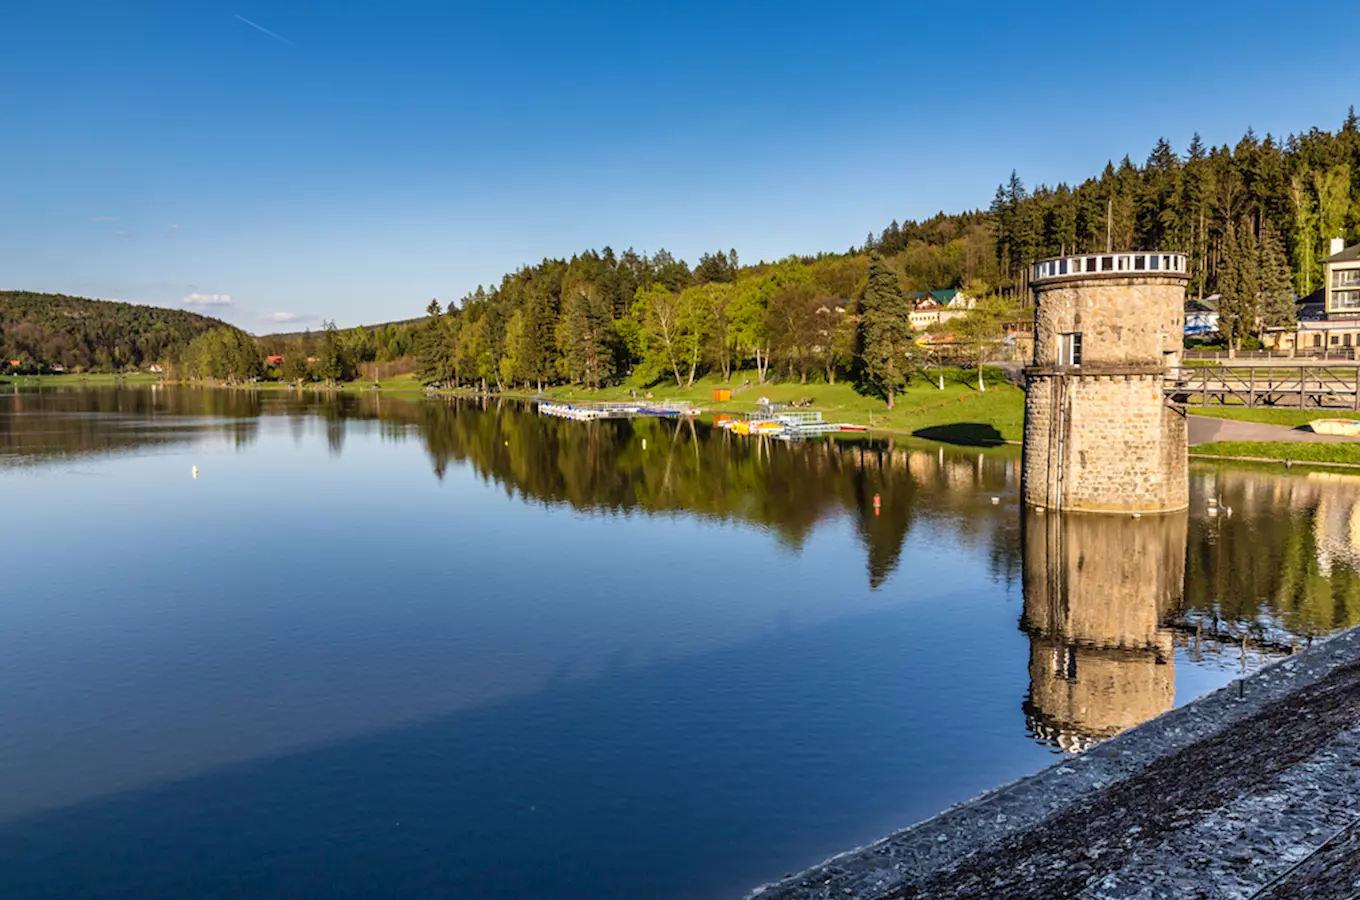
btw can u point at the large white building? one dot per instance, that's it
(1329, 318)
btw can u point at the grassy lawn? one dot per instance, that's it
(959, 413)
(89, 379)
(1300, 452)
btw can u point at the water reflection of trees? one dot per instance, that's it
(1260, 564)
(643, 466)
(1280, 553)
(1283, 565)
(667, 466)
(38, 426)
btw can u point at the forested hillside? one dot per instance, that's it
(1255, 218)
(53, 330)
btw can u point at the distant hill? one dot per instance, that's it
(379, 326)
(51, 330)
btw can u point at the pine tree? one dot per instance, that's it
(885, 333)
(431, 364)
(1239, 305)
(1277, 294)
(584, 336)
(1157, 215)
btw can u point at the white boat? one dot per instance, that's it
(1343, 427)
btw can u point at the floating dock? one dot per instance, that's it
(588, 412)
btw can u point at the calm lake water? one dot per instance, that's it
(386, 647)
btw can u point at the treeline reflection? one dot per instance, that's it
(647, 466)
(1261, 563)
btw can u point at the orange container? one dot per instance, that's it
(721, 394)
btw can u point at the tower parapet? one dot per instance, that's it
(1098, 435)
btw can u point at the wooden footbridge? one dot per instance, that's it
(1280, 383)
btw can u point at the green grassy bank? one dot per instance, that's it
(1347, 454)
(92, 379)
(959, 413)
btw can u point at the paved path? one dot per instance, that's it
(1207, 430)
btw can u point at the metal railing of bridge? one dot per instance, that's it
(1300, 386)
(1305, 353)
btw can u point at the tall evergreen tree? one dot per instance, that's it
(885, 333)
(585, 336)
(1239, 305)
(1277, 294)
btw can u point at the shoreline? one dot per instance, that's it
(940, 427)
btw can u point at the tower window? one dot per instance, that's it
(1069, 349)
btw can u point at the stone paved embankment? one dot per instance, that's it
(1250, 792)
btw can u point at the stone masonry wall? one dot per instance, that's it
(1099, 436)
(1117, 446)
(1123, 321)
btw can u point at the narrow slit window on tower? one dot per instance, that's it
(1069, 348)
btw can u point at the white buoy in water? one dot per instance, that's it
(995, 501)
(195, 471)
(644, 443)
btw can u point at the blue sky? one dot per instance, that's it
(365, 157)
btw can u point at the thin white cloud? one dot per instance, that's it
(175, 228)
(121, 233)
(285, 317)
(277, 37)
(197, 299)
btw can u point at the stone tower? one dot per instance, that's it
(1099, 436)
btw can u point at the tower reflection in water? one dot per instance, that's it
(1098, 592)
